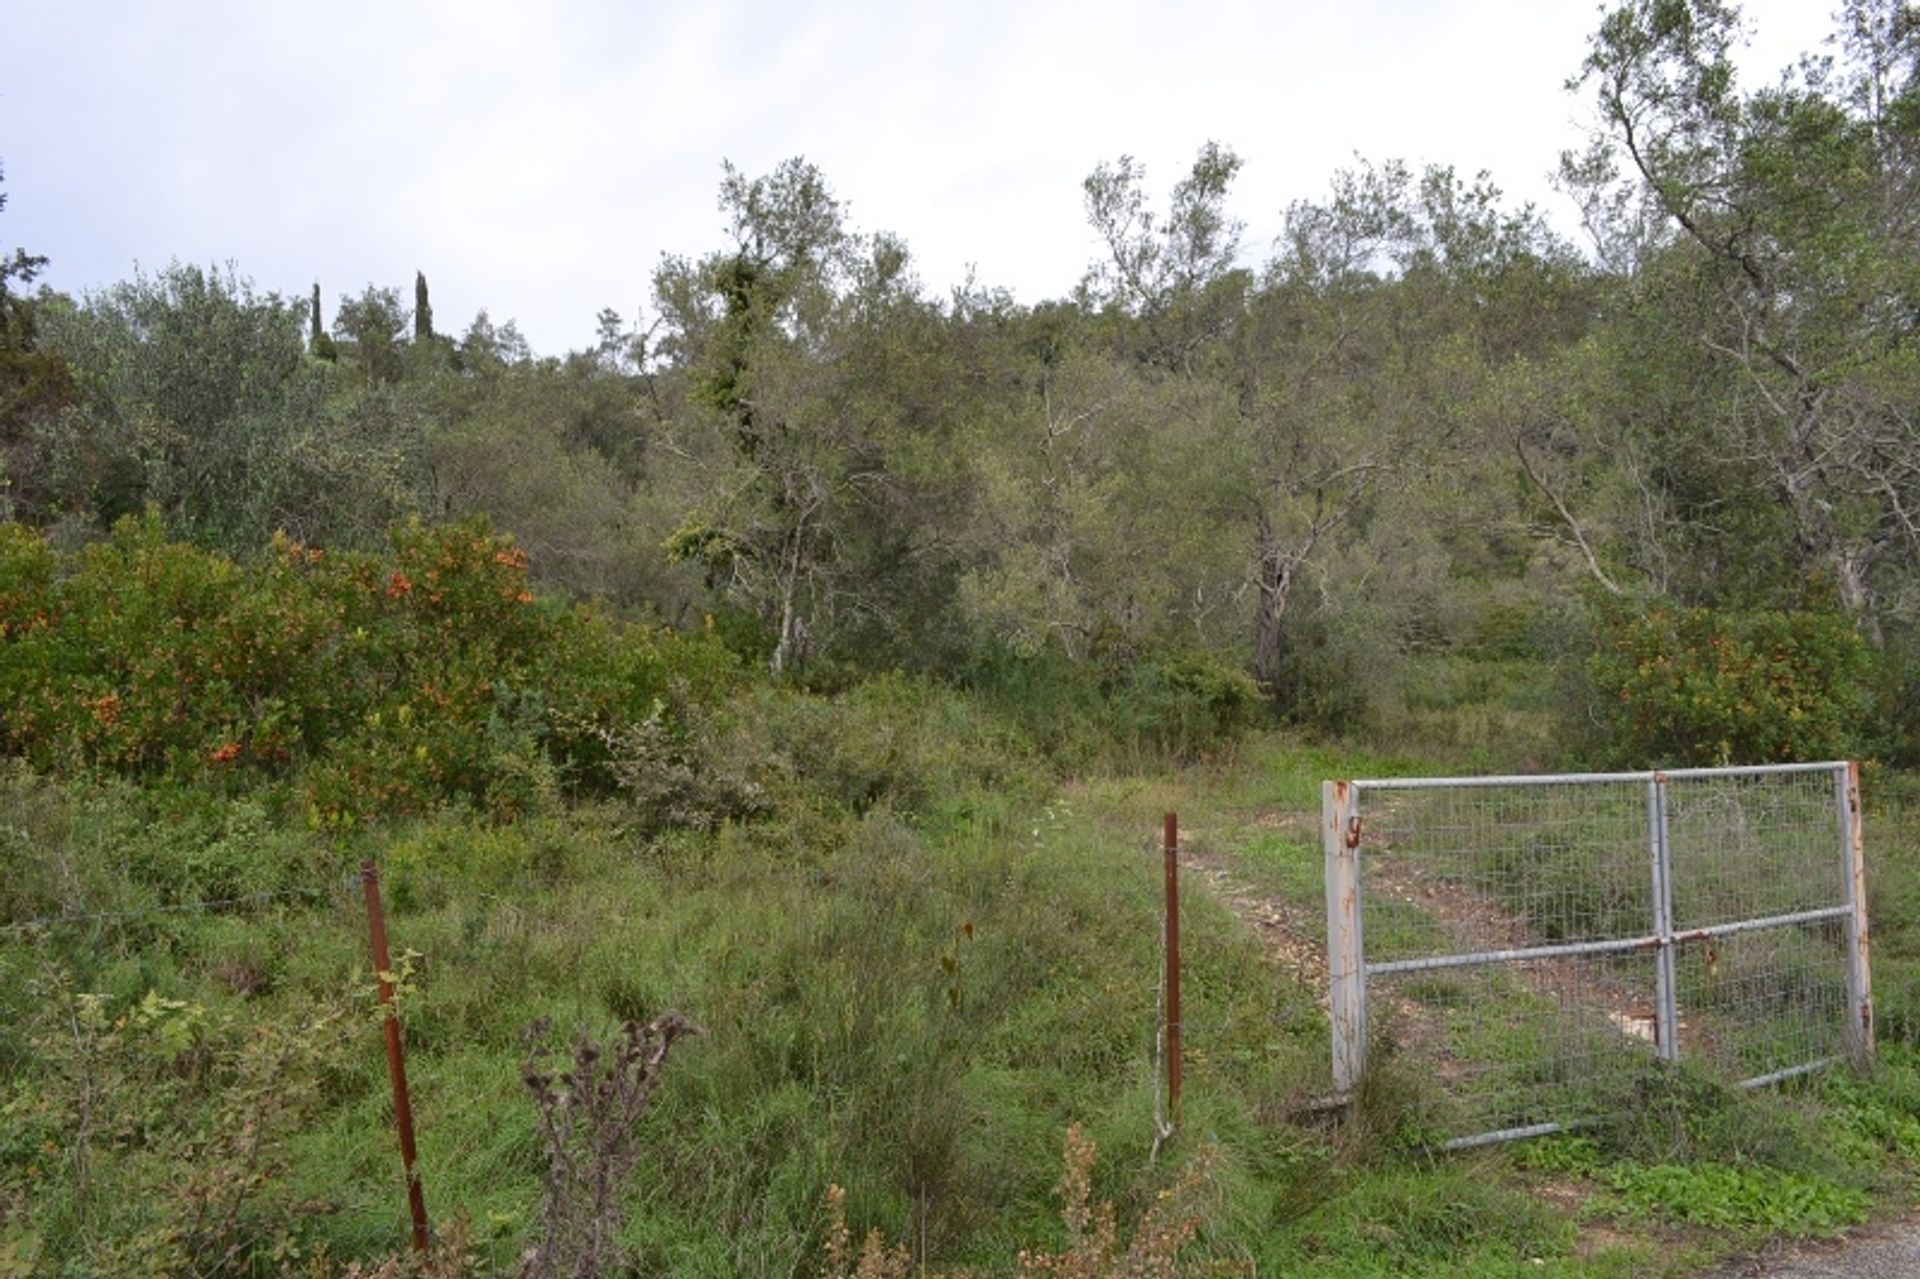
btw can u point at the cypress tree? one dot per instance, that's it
(318, 342)
(422, 309)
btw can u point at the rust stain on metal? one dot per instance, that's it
(396, 1059)
(1170, 838)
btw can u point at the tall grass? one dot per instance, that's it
(918, 962)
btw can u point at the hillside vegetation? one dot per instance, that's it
(815, 657)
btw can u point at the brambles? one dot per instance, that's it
(153, 1134)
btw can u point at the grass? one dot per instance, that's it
(914, 978)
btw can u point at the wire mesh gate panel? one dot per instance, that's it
(1535, 942)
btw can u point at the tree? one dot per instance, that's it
(1362, 369)
(1100, 527)
(422, 310)
(1177, 277)
(319, 345)
(753, 324)
(34, 384)
(1785, 224)
(185, 377)
(368, 330)
(17, 270)
(487, 348)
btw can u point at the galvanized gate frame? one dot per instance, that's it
(1348, 969)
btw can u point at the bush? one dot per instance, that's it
(1897, 695)
(1175, 701)
(1333, 671)
(1183, 703)
(383, 684)
(1687, 686)
(895, 742)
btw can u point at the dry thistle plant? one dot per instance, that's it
(1093, 1234)
(589, 1127)
(1093, 1249)
(876, 1260)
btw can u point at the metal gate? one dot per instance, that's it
(1535, 942)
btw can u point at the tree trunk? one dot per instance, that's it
(1274, 578)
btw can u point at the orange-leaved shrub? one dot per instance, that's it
(373, 684)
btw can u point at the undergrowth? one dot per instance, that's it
(919, 953)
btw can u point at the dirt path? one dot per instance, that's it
(1887, 1251)
(1290, 934)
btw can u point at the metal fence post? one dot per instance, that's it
(1346, 971)
(1170, 845)
(1666, 1004)
(1846, 784)
(396, 1059)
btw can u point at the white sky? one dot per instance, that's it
(536, 159)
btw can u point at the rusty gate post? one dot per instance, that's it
(396, 1059)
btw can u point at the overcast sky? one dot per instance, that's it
(537, 159)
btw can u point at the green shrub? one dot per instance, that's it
(1897, 697)
(1685, 686)
(895, 742)
(1184, 702)
(1332, 671)
(380, 685)
(1176, 702)
(153, 1136)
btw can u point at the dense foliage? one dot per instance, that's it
(1424, 407)
(826, 599)
(380, 685)
(1696, 687)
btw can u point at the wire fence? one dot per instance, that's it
(203, 906)
(1536, 942)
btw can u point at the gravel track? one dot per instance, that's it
(1887, 1251)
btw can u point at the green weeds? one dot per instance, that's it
(918, 959)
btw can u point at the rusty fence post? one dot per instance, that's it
(1170, 843)
(396, 1059)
